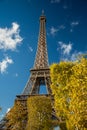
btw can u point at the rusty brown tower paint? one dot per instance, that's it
(40, 74)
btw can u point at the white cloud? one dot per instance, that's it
(65, 48)
(76, 55)
(9, 37)
(66, 54)
(61, 27)
(54, 30)
(4, 64)
(30, 49)
(55, 1)
(8, 110)
(75, 23)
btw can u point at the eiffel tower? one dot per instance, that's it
(40, 74)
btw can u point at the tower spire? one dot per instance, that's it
(41, 60)
(40, 74)
(39, 77)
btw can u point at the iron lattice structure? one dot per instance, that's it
(40, 74)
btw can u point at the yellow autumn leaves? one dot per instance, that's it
(69, 86)
(39, 113)
(34, 114)
(17, 117)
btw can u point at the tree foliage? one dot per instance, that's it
(39, 113)
(17, 117)
(34, 114)
(69, 86)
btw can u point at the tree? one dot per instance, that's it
(39, 113)
(69, 86)
(34, 114)
(17, 117)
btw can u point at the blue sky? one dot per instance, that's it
(66, 29)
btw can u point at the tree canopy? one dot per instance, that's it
(33, 114)
(69, 86)
(17, 117)
(39, 113)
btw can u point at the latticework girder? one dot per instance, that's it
(41, 66)
(38, 77)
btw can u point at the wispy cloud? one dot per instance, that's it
(61, 27)
(30, 49)
(75, 55)
(65, 48)
(73, 24)
(8, 110)
(9, 37)
(66, 52)
(55, 1)
(54, 30)
(4, 64)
